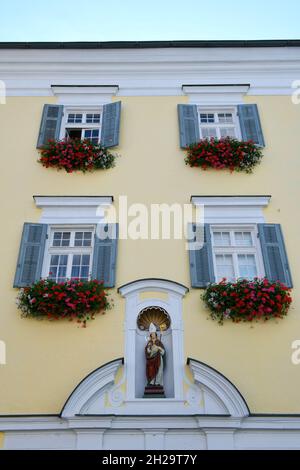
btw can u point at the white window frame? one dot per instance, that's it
(84, 110)
(234, 250)
(67, 250)
(216, 110)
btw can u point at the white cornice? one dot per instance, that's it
(215, 94)
(215, 201)
(150, 71)
(232, 209)
(146, 285)
(84, 94)
(55, 201)
(72, 209)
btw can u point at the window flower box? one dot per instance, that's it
(227, 152)
(76, 155)
(73, 299)
(246, 300)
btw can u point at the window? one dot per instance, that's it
(82, 124)
(218, 123)
(236, 253)
(69, 253)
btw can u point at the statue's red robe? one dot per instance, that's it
(152, 363)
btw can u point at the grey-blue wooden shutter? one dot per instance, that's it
(188, 124)
(50, 124)
(111, 124)
(201, 260)
(31, 254)
(274, 253)
(250, 124)
(105, 254)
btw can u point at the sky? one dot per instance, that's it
(138, 20)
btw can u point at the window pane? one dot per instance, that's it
(225, 118)
(76, 259)
(227, 132)
(208, 132)
(58, 267)
(207, 117)
(93, 118)
(78, 238)
(75, 271)
(243, 238)
(87, 239)
(74, 117)
(225, 268)
(247, 266)
(61, 238)
(92, 135)
(222, 238)
(80, 266)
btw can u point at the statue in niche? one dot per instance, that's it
(155, 352)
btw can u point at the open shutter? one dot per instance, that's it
(201, 260)
(250, 124)
(188, 124)
(105, 254)
(50, 124)
(31, 254)
(111, 124)
(274, 253)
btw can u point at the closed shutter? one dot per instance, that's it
(201, 260)
(31, 254)
(50, 124)
(188, 124)
(105, 254)
(274, 254)
(111, 124)
(250, 124)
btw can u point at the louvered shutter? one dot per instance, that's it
(250, 124)
(31, 254)
(188, 124)
(50, 124)
(201, 260)
(274, 253)
(105, 254)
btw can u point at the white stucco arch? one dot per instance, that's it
(210, 393)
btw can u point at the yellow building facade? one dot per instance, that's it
(230, 386)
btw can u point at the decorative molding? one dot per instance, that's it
(32, 72)
(72, 209)
(90, 388)
(81, 95)
(219, 95)
(220, 388)
(232, 209)
(148, 285)
(138, 432)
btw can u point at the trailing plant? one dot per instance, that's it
(76, 155)
(73, 299)
(246, 300)
(223, 153)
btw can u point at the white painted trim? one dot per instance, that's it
(72, 209)
(151, 432)
(269, 71)
(89, 387)
(232, 210)
(218, 89)
(173, 306)
(215, 95)
(80, 95)
(221, 387)
(146, 285)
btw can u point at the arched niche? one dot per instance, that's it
(146, 295)
(159, 317)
